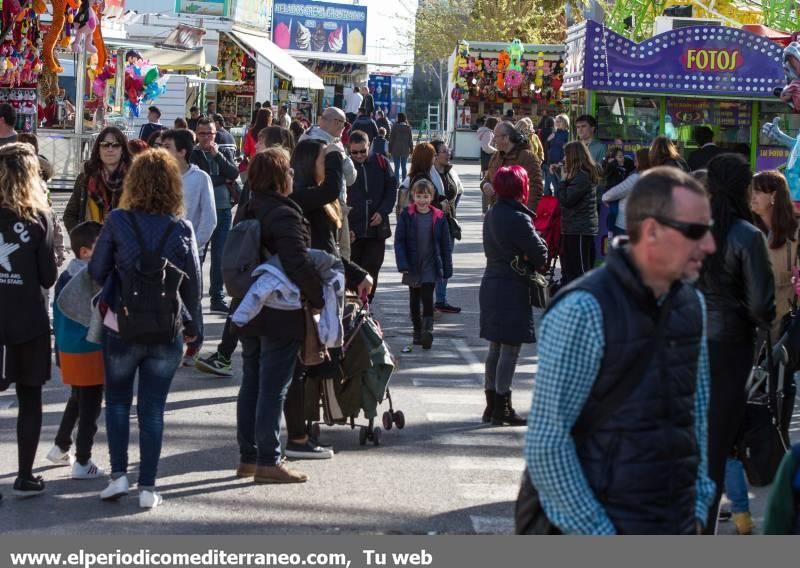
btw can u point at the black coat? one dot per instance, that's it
(741, 296)
(578, 202)
(699, 158)
(374, 191)
(367, 125)
(506, 314)
(27, 266)
(285, 232)
(312, 200)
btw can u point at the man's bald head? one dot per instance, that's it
(332, 121)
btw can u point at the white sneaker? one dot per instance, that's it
(59, 457)
(116, 488)
(88, 471)
(149, 499)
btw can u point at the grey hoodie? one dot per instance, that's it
(198, 200)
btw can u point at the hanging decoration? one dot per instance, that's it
(20, 45)
(143, 83)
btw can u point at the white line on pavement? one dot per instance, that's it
(492, 525)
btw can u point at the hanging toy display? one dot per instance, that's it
(503, 61)
(143, 83)
(539, 79)
(513, 77)
(60, 8)
(557, 78)
(86, 22)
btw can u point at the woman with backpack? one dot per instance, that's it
(271, 341)
(317, 183)
(27, 266)
(144, 336)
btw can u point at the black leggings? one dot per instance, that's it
(29, 427)
(83, 408)
(422, 294)
(577, 256)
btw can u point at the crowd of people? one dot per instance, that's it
(640, 390)
(145, 213)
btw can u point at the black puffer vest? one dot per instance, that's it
(641, 463)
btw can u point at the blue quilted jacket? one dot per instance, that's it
(116, 252)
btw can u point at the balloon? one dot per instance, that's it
(151, 75)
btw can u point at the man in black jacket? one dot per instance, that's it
(366, 125)
(706, 149)
(368, 104)
(371, 198)
(219, 163)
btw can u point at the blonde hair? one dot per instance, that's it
(153, 184)
(565, 119)
(20, 185)
(525, 127)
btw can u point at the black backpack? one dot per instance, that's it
(149, 299)
(241, 255)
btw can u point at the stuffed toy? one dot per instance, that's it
(87, 22)
(60, 8)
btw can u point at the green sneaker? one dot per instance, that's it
(216, 364)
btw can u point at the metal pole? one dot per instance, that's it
(80, 89)
(119, 82)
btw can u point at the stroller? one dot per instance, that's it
(355, 380)
(548, 225)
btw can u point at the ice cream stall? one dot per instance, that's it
(716, 76)
(489, 79)
(389, 92)
(330, 39)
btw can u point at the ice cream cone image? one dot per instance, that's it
(302, 37)
(335, 40)
(355, 41)
(319, 38)
(283, 35)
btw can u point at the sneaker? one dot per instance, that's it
(59, 457)
(88, 471)
(190, 357)
(245, 470)
(116, 488)
(149, 499)
(307, 451)
(278, 474)
(220, 308)
(446, 308)
(24, 488)
(215, 364)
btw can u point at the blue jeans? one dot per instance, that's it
(441, 283)
(217, 243)
(156, 365)
(267, 368)
(400, 162)
(736, 486)
(550, 181)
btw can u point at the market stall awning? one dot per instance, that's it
(261, 46)
(175, 60)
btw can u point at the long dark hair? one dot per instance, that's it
(304, 159)
(784, 223)
(94, 164)
(263, 119)
(577, 158)
(728, 185)
(663, 151)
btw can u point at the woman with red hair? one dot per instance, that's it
(506, 314)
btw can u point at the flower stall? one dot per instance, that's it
(488, 79)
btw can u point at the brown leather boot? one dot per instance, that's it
(278, 474)
(245, 470)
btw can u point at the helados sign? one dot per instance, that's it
(719, 60)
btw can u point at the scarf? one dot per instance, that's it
(104, 193)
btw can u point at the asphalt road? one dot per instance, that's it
(444, 472)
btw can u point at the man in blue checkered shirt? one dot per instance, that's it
(642, 470)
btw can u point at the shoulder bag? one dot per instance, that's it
(529, 516)
(538, 286)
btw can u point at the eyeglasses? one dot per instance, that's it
(157, 145)
(692, 231)
(357, 152)
(107, 145)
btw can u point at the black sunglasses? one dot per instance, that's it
(113, 145)
(357, 152)
(692, 231)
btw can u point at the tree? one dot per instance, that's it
(441, 24)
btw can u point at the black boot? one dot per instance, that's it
(512, 417)
(427, 332)
(416, 321)
(487, 413)
(504, 413)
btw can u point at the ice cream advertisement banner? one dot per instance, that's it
(320, 26)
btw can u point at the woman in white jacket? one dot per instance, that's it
(621, 191)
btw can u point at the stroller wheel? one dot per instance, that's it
(399, 419)
(387, 421)
(315, 431)
(362, 436)
(377, 436)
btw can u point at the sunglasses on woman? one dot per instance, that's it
(107, 145)
(692, 231)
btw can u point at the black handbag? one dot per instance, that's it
(762, 442)
(529, 516)
(538, 285)
(454, 226)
